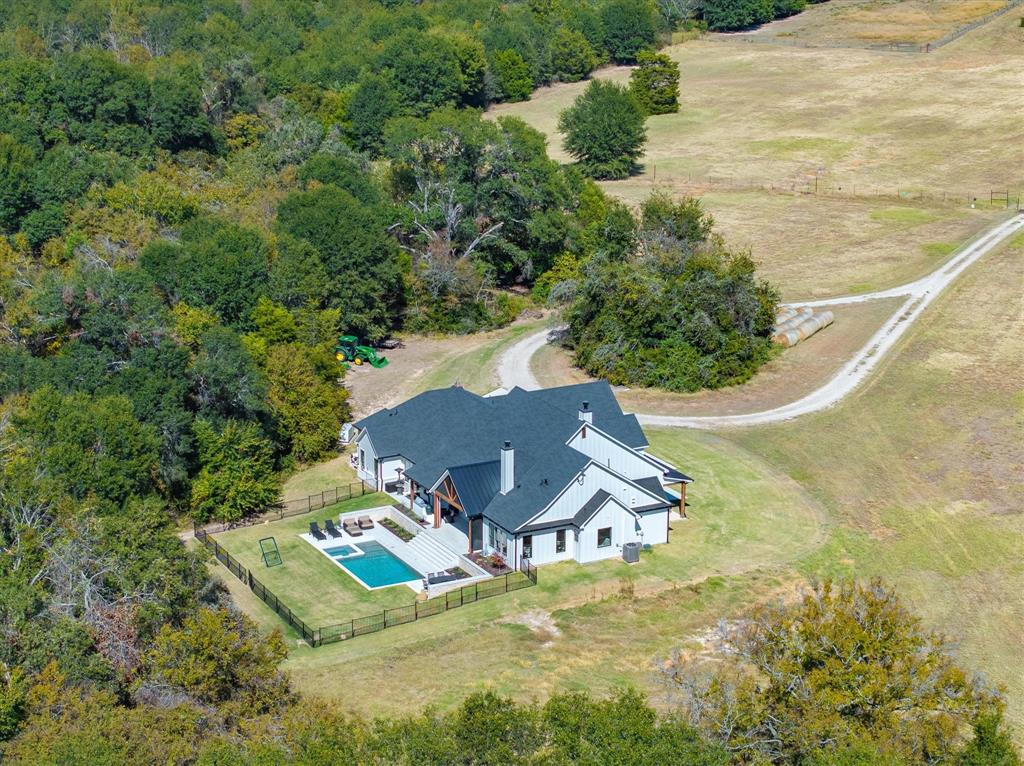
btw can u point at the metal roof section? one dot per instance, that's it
(476, 484)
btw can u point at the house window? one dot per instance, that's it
(560, 541)
(490, 537)
(604, 537)
(362, 459)
(528, 547)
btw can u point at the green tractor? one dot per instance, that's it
(347, 350)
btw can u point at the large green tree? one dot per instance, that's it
(629, 27)
(308, 408)
(218, 657)
(237, 478)
(655, 83)
(845, 669)
(16, 163)
(663, 303)
(359, 255)
(728, 15)
(604, 130)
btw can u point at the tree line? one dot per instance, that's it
(196, 198)
(842, 676)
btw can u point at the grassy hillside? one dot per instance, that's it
(759, 123)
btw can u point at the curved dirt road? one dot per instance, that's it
(514, 368)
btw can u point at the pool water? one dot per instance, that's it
(340, 552)
(378, 566)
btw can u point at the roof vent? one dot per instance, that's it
(586, 414)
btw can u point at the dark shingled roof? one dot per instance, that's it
(673, 475)
(653, 485)
(457, 431)
(592, 506)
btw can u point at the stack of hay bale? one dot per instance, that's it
(793, 325)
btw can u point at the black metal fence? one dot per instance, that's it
(316, 502)
(287, 508)
(524, 577)
(261, 591)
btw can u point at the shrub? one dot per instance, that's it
(512, 76)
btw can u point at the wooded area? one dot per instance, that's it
(196, 198)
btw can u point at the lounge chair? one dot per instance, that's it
(365, 522)
(314, 530)
(332, 530)
(350, 526)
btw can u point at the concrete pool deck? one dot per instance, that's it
(424, 554)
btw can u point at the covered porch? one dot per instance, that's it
(443, 514)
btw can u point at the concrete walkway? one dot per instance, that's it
(514, 368)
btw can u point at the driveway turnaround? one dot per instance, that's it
(514, 368)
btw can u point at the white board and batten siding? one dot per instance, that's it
(372, 469)
(605, 451)
(544, 546)
(595, 477)
(623, 528)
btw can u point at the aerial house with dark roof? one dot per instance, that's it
(547, 475)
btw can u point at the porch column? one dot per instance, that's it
(682, 499)
(470, 535)
(437, 511)
(412, 495)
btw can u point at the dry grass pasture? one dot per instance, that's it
(759, 123)
(814, 247)
(922, 471)
(878, 22)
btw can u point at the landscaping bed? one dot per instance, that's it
(493, 564)
(397, 530)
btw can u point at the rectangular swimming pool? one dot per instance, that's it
(378, 567)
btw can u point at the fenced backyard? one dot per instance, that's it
(394, 602)
(298, 507)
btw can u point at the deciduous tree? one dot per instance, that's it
(237, 477)
(846, 667)
(604, 130)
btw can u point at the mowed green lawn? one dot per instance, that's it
(582, 626)
(314, 587)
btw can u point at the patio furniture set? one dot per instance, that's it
(352, 527)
